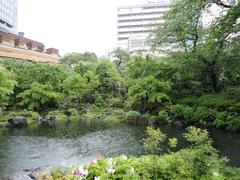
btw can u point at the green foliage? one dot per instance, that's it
(6, 86)
(172, 142)
(203, 115)
(112, 119)
(214, 46)
(132, 116)
(80, 86)
(163, 116)
(110, 79)
(39, 97)
(116, 102)
(121, 57)
(198, 137)
(31, 115)
(73, 59)
(216, 101)
(182, 112)
(25, 73)
(152, 142)
(147, 92)
(199, 161)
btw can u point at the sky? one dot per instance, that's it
(72, 25)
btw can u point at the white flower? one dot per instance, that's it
(110, 170)
(215, 174)
(132, 169)
(96, 178)
(110, 161)
(124, 157)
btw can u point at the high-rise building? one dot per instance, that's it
(8, 15)
(135, 23)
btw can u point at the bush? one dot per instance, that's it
(132, 116)
(163, 116)
(199, 161)
(189, 100)
(145, 117)
(221, 119)
(30, 115)
(116, 102)
(182, 112)
(217, 102)
(112, 119)
(204, 116)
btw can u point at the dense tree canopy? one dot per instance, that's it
(6, 86)
(184, 30)
(74, 58)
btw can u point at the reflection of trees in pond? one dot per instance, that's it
(4, 148)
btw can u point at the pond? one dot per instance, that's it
(75, 144)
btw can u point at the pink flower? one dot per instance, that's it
(95, 160)
(81, 172)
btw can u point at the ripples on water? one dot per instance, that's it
(84, 143)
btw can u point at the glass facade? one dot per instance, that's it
(8, 15)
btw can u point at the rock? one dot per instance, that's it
(18, 122)
(152, 121)
(108, 113)
(51, 121)
(178, 124)
(40, 119)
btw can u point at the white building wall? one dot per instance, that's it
(135, 23)
(8, 15)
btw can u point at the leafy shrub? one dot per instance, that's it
(74, 114)
(116, 102)
(39, 97)
(216, 101)
(163, 116)
(132, 116)
(182, 112)
(189, 100)
(31, 115)
(199, 161)
(112, 119)
(221, 119)
(233, 123)
(204, 116)
(145, 117)
(6, 86)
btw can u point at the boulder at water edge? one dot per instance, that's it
(18, 122)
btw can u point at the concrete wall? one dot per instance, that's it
(11, 52)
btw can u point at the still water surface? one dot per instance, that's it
(74, 145)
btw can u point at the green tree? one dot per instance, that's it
(39, 97)
(183, 31)
(80, 86)
(146, 83)
(6, 86)
(121, 57)
(147, 93)
(110, 79)
(25, 73)
(73, 59)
